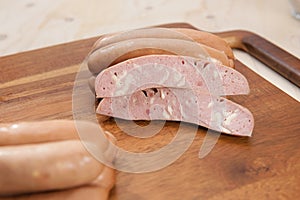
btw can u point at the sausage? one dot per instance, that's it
(216, 113)
(216, 46)
(35, 132)
(113, 38)
(208, 39)
(48, 131)
(91, 191)
(169, 71)
(48, 155)
(124, 50)
(201, 37)
(46, 166)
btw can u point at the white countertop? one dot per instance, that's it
(31, 24)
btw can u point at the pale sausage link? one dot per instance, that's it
(46, 166)
(126, 45)
(124, 50)
(35, 132)
(90, 192)
(187, 34)
(52, 159)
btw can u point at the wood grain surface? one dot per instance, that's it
(38, 85)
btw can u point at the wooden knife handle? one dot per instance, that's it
(276, 58)
(273, 56)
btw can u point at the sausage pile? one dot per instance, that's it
(170, 74)
(48, 156)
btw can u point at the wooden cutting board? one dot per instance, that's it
(38, 85)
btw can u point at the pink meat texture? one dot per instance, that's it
(176, 88)
(217, 113)
(169, 71)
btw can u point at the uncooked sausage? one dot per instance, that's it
(46, 166)
(124, 50)
(48, 155)
(188, 34)
(39, 131)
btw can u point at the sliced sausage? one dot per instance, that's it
(216, 113)
(169, 71)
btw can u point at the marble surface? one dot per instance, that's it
(31, 24)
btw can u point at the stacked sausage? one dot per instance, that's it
(170, 74)
(48, 156)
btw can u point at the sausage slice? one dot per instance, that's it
(169, 71)
(216, 113)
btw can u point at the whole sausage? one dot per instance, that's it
(208, 39)
(35, 132)
(48, 155)
(124, 50)
(169, 71)
(201, 37)
(113, 38)
(190, 106)
(93, 192)
(46, 166)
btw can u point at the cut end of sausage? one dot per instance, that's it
(169, 71)
(216, 113)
